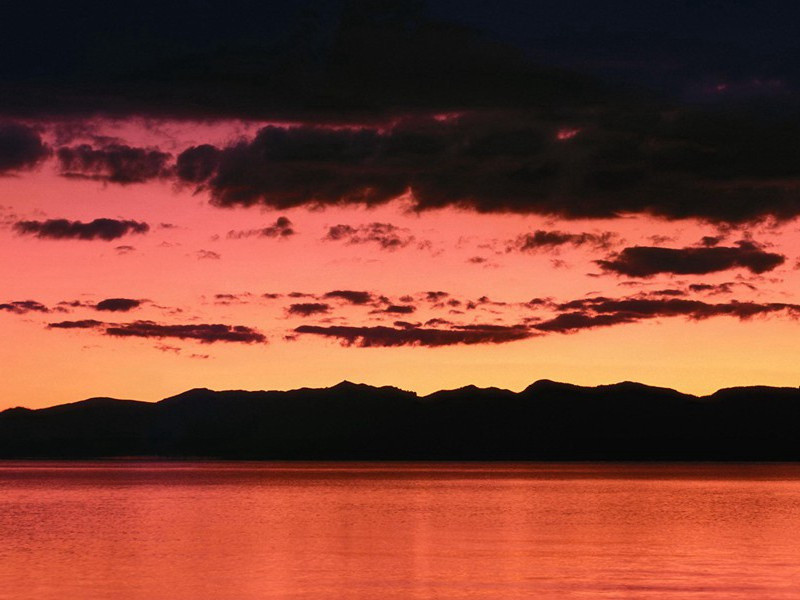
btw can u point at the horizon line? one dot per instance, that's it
(347, 382)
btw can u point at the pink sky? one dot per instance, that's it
(202, 264)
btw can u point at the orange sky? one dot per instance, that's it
(189, 269)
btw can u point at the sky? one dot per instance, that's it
(419, 194)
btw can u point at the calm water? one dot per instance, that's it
(383, 531)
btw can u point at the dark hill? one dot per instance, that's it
(546, 421)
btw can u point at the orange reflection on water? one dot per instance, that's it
(244, 530)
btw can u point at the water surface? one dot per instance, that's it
(193, 530)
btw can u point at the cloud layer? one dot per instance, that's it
(118, 304)
(282, 228)
(204, 333)
(116, 163)
(548, 240)
(646, 261)
(20, 147)
(411, 335)
(718, 169)
(63, 229)
(21, 307)
(600, 311)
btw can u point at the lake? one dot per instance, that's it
(238, 530)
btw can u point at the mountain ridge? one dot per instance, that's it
(547, 420)
(348, 385)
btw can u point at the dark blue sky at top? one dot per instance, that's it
(46, 33)
(679, 48)
(755, 25)
(669, 45)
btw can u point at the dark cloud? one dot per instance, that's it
(410, 335)
(306, 309)
(391, 100)
(531, 242)
(226, 297)
(116, 163)
(20, 147)
(118, 304)
(399, 309)
(645, 307)
(385, 235)
(406, 325)
(646, 261)
(436, 322)
(230, 299)
(536, 302)
(167, 348)
(282, 228)
(198, 163)
(284, 168)
(98, 229)
(203, 333)
(122, 250)
(711, 240)
(436, 296)
(590, 313)
(351, 296)
(74, 304)
(207, 255)
(573, 321)
(671, 163)
(82, 324)
(703, 287)
(725, 287)
(566, 317)
(20, 307)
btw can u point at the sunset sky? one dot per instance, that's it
(425, 195)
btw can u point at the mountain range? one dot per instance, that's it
(545, 421)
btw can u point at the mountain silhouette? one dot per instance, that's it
(546, 421)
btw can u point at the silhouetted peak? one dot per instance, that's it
(462, 392)
(467, 391)
(753, 391)
(548, 385)
(195, 391)
(93, 404)
(467, 395)
(349, 386)
(16, 411)
(190, 395)
(102, 400)
(634, 387)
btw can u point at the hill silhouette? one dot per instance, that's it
(546, 421)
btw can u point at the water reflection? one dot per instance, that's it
(253, 530)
